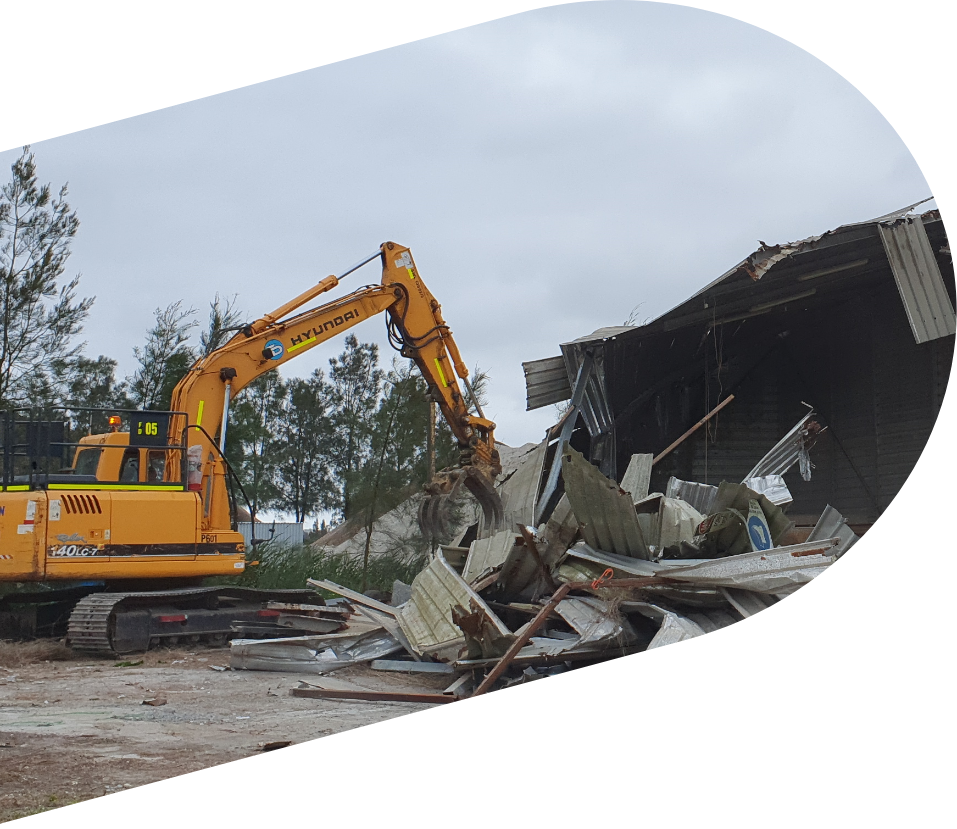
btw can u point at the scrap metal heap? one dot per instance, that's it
(612, 570)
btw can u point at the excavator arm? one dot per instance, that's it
(416, 327)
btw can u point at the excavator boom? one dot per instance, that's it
(149, 506)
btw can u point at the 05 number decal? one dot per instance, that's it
(73, 551)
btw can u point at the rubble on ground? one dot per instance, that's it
(611, 570)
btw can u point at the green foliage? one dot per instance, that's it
(253, 440)
(304, 480)
(224, 319)
(164, 358)
(355, 385)
(39, 315)
(289, 567)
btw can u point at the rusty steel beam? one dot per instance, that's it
(370, 696)
(694, 428)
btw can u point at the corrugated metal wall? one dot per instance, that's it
(853, 357)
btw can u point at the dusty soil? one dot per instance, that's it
(73, 728)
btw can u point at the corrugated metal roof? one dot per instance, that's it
(485, 554)
(426, 619)
(546, 382)
(519, 491)
(602, 334)
(605, 512)
(929, 309)
(757, 265)
(768, 571)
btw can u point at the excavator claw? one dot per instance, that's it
(435, 511)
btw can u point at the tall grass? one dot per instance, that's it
(289, 567)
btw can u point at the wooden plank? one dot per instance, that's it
(352, 595)
(371, 696)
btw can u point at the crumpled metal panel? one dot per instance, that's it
(771, 487)
(638, 568)
(785, 453)
(605, 512)
(637, 477)
(519, 491)
(426, 619)
(311, 654)
(911, 257)
(666, 522)
(486, 554)
(764, 572)
(674, 627)
(591, 619)
(546, 382)
(746, 602)
(700, 496)
(832, 524)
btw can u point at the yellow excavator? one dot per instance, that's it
(144, 512)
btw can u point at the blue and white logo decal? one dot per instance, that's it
(275, 349)
(760, 537)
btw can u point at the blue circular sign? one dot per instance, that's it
(275, 348)
(758, 530)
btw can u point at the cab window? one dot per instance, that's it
(156, 465)
(130, 470)
(87, 461)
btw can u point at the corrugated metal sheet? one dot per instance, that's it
(426, 619)
(591, 619)
(746, 602)
(771, 487)
(546, 382)
(602, 334)
(519, 491)
(832, 524)
(285, 534)
(788, 451)
(637, 477)
(485, 554)
(929, 309)
(764, 572)
(311, 654)
(673, 626)
(700, 496)
(604, 511)
(622, 565)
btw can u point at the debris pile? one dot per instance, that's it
(612, 570)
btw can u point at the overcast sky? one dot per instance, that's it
(550, 171)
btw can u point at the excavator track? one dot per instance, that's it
(116, 623)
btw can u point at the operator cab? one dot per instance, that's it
(41, 451)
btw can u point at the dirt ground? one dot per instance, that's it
(73, 728)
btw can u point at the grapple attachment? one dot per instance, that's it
(435, 511)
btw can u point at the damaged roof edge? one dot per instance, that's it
(762, 260)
